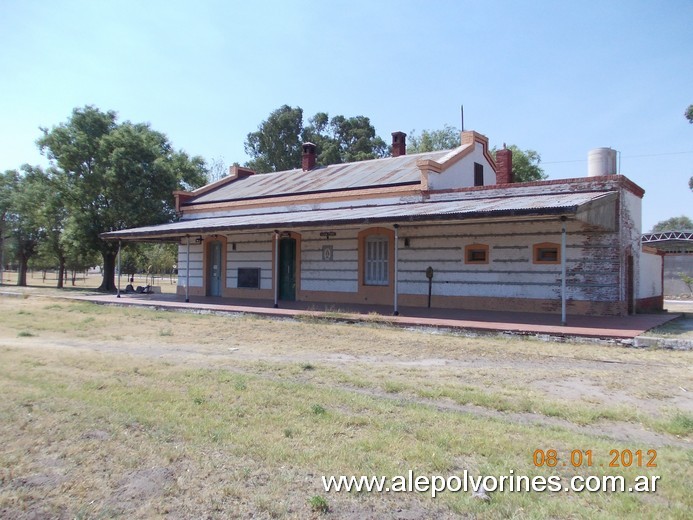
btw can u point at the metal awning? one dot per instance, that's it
(670, 241)
(513, 207)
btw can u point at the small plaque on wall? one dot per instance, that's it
(327, 253)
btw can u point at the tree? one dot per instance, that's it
(355, 139)
(318, 132)
(276, 145)
(216, 169)
(8, 187)
(26, 216)
(50, 217)
(114, 176)
(151, 259)
(446, 138)
(682, 223)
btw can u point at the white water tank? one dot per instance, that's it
(601, 161)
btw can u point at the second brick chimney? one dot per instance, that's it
(504, 166)
(308, 157)
(399, 144)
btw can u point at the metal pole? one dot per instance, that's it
(187, 270)
(396, 311)
(119, 245)
(430, 288)
(276, 268)
(563, 273)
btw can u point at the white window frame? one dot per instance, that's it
(376, 264)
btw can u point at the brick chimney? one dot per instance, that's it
(308, 157)
(399, 144)
(504, 166)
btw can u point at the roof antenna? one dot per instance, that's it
(462, 116)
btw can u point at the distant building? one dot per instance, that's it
(677, 248)
(367, 232)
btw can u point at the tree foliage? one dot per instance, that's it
(114, 176)
(51, 218)
(24, 218)
(8, 187)
(216, 169)
(276, 145)
(33, 217)
(446, 138)
(344, 139)
(682, 223)
(149, 259)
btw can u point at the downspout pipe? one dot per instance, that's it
(563, 272)
(395, 281)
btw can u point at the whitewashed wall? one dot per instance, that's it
(650, 279)
(631, 232)
(461, 174)
(195, 264)
(593, 261)
(252, 251)
(592, 265)
(340, 274)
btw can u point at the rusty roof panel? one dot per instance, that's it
(508, 207)
(363, 174)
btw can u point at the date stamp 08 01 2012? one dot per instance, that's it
(586, 458)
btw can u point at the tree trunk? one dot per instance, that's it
(21, 272)
(61, 272)
(108, 282)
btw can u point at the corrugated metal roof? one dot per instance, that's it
(550, 204)
(390, 171)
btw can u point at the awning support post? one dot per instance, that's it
(396, 311)
(563, 273)
(119, 255)
(187, 269)
(276, 268)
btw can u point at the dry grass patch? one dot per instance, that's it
(128, 422)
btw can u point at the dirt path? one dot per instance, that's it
(235, 359)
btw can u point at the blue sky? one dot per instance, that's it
(558, 77)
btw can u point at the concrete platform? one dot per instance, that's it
(526, 323)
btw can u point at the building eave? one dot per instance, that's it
(507, 208)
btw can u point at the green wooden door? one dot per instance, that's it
(214, 269)
(287, 269)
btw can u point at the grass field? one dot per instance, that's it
(112, 412)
